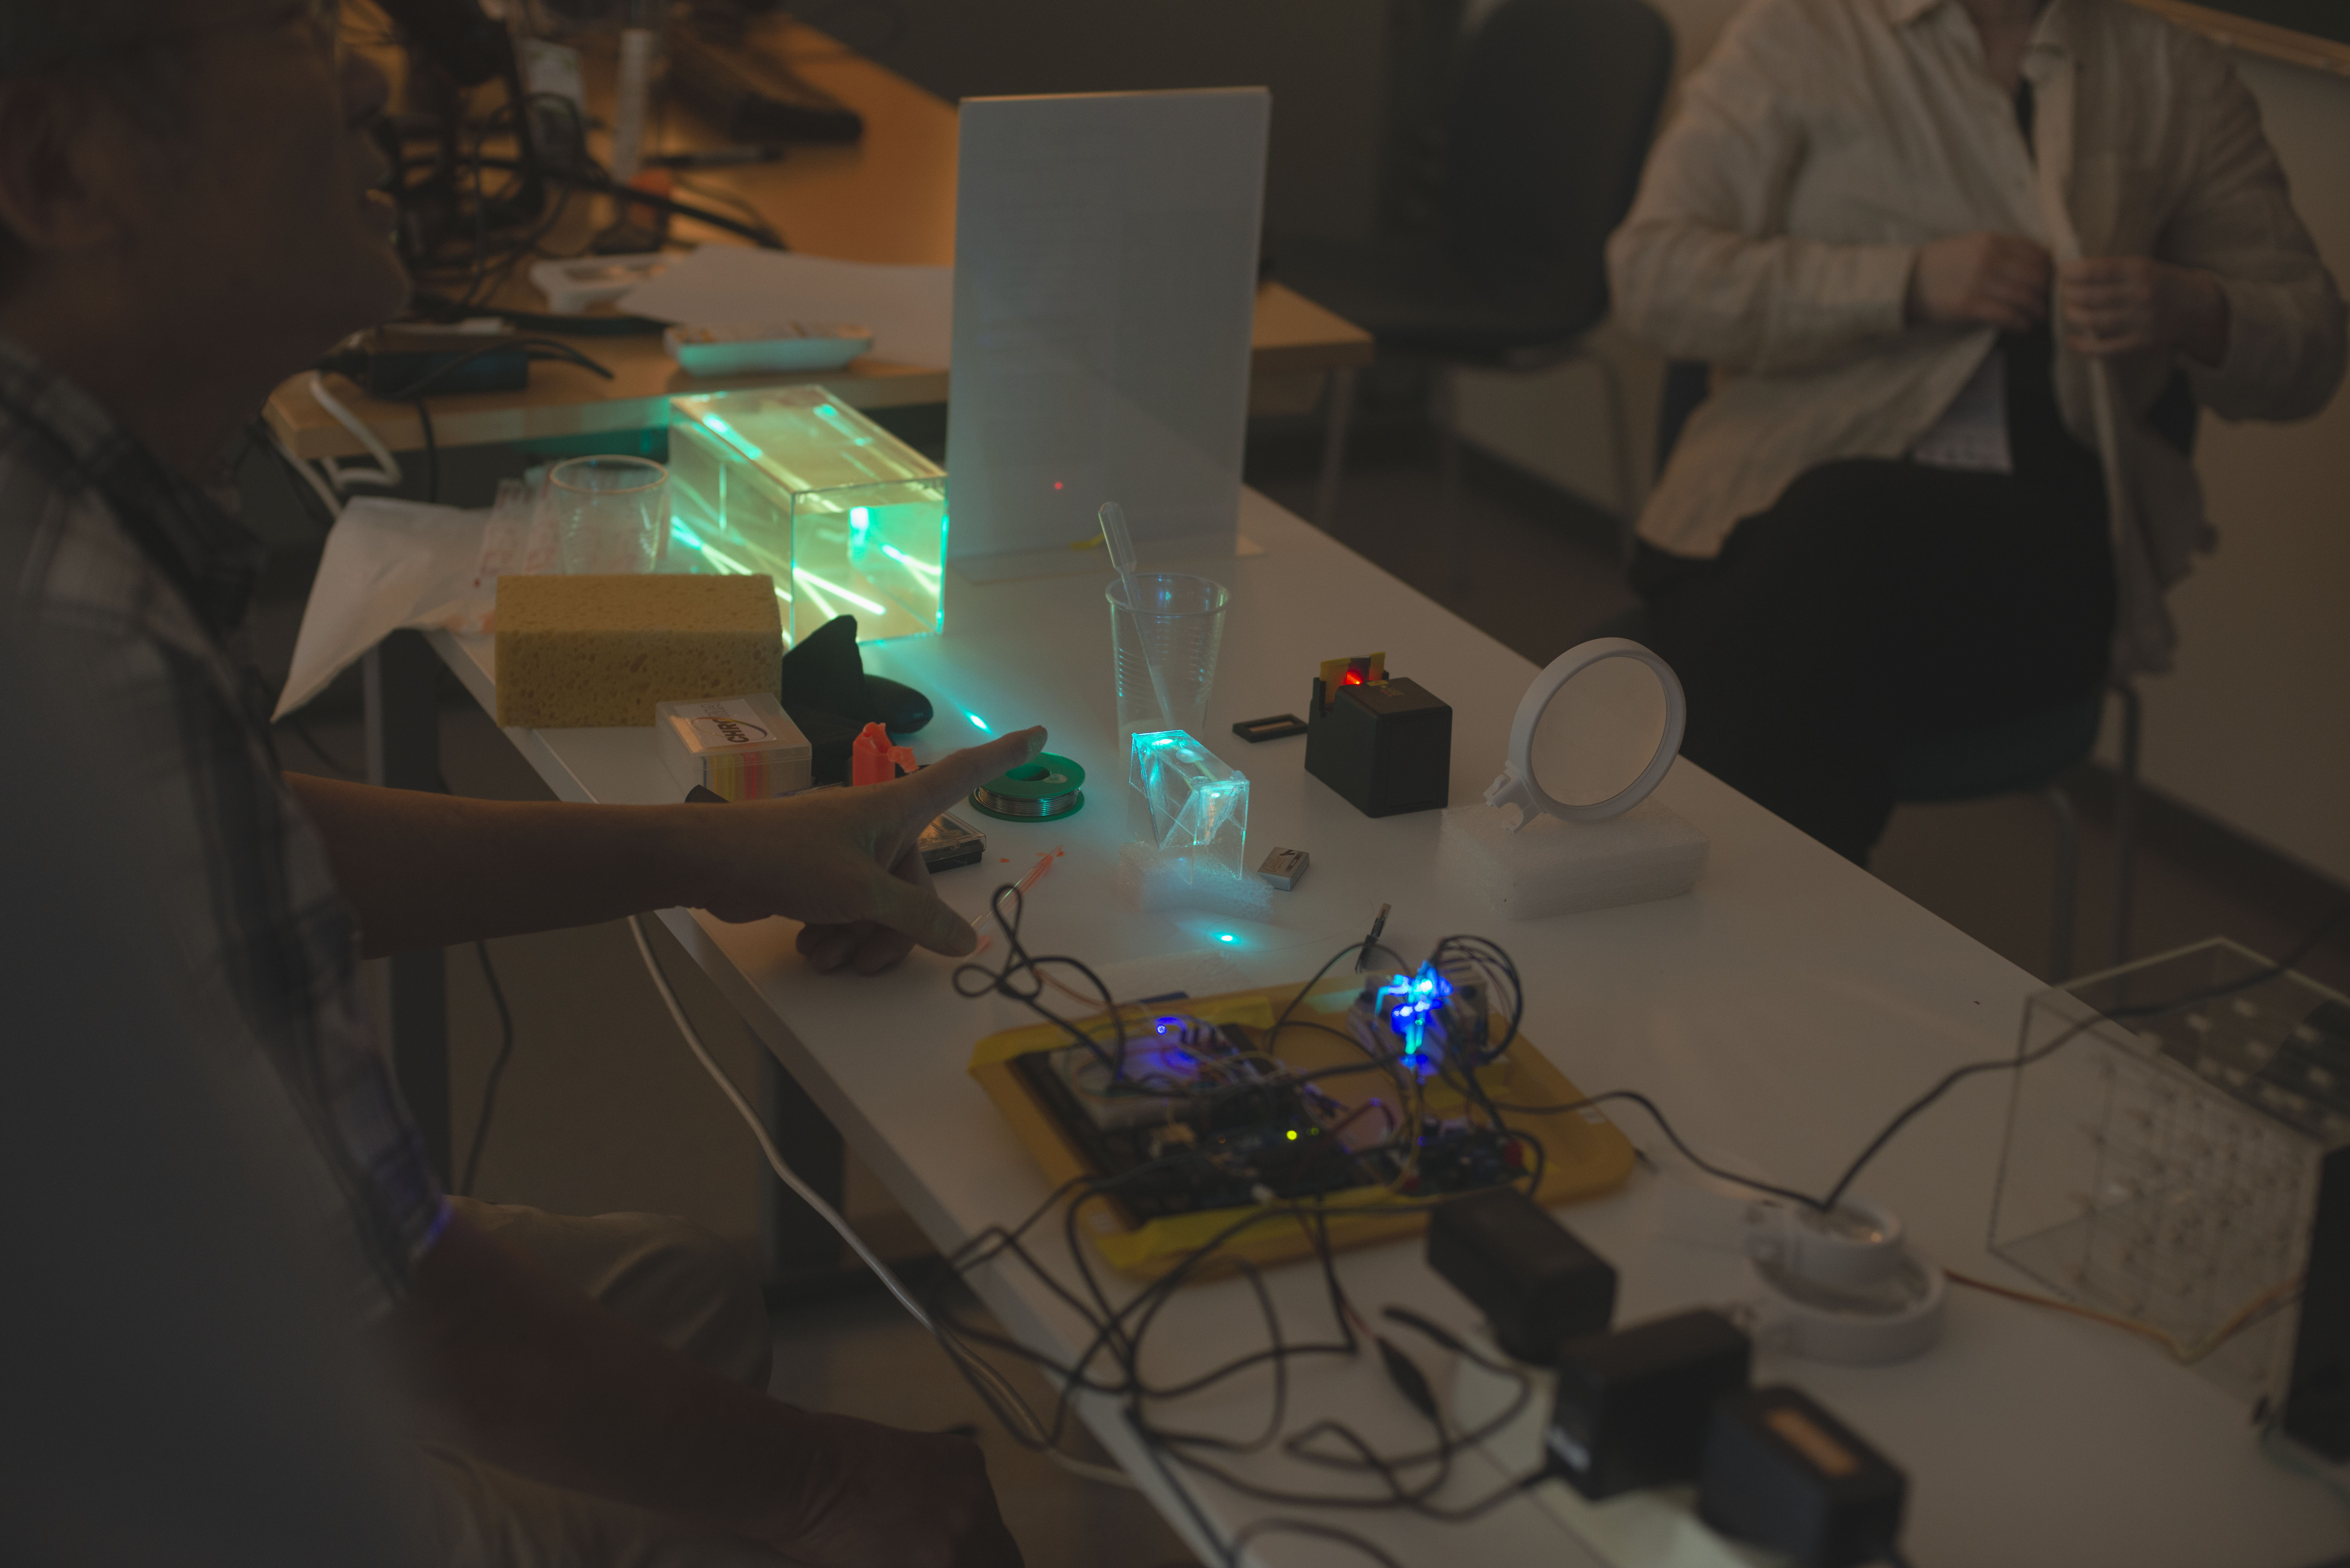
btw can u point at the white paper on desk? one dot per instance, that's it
(388, 564)
(909, 309)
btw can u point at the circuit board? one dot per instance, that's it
(1177, 1153)
(1295, 1115)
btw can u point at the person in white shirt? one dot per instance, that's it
(1959, 267)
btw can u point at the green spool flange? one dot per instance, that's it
(1042, 790)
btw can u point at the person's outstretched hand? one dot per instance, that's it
(1981, 280)
(847, 861)
(911, 1499)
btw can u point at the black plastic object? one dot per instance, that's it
(1780, 1472)
(1280, 726)
(1386, 747)
(824, 687)
(1634, 1405)
(902, 709)
(2316, 1063)
(1537, 1286)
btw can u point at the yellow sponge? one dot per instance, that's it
(601, 651)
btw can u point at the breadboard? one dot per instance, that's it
(1586, 1155)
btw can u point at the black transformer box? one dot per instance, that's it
(1385, 746)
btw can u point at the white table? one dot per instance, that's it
(1779, 1013)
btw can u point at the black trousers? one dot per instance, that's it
(1878, 602)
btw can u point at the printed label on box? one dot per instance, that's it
(729, 721)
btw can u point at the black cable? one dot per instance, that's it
(2038, 1053)
(497, 1071)
(257, 435)
(431, 455)
(1649, 1105)
(762, 234)
(532, 347)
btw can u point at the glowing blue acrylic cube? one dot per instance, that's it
(792, 481)
(1198, 805)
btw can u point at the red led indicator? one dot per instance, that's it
(1352, 677)
(1056, 484)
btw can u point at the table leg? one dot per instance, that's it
(802, 1247)
(403, 752)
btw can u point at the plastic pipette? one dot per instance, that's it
(1121, 556)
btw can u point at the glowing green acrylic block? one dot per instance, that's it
(789, 480)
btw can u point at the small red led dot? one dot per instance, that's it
(1056, 484)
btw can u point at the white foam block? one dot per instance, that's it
(1152, 881)
(1553, 868)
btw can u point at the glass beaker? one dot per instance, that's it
(610, 513)
(1165, 651)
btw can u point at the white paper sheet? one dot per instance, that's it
(1106, 276)
(910, 310)
(388, 564)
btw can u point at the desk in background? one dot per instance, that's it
(887, 198)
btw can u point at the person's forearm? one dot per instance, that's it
(1776, 305)
(543, 1381)
(427, 870)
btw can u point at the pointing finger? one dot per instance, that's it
(953, 776)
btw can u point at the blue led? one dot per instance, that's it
(1226, 937)
(1416, 996)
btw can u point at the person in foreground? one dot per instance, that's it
(185, 220)
(1963, 270)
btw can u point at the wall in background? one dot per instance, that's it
(1325, 62)
(2253, 727)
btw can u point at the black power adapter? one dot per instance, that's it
(1634, 1405)
(1778, 1471)
(1537, 1286)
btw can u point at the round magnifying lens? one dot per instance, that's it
(1599, 733)
(1594, 733)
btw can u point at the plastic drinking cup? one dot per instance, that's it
(1178, 626)
(610, 513)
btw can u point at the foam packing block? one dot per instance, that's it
(1555, 867)
(1153, 879)
(584, 652)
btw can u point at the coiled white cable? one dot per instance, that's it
(1003, 1397)
(386, 469)
(309, 475)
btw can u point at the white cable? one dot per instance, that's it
(1005, 1397)
(386, 469)
(309, 475)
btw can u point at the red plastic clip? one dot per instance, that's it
(873, 760)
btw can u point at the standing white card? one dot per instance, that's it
(1105, 289)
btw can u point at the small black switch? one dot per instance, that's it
(1781, 1472)
(1634, 1405)
(1537, 1286)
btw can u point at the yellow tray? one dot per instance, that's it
(1586, 1155)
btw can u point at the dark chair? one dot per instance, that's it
(1549, 117)
(2029, 755)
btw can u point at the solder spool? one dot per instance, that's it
(1042, 790)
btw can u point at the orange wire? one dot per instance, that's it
(2186, 1355)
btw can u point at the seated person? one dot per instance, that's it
(185, 221)
(1930, 248)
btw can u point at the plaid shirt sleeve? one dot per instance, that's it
(129, 583)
